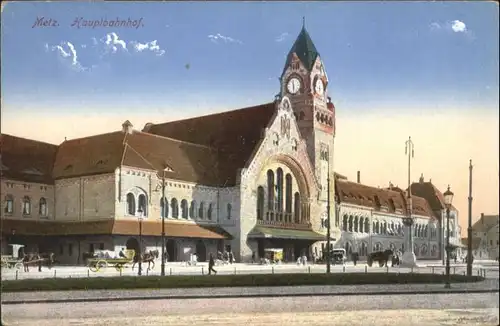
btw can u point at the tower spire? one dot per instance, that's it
(303, 22)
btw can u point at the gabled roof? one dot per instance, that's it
(305, 50)
(104, 153)
(235, 135)
(485, 223)
(432, 194)
(363, 195)
(26, 160)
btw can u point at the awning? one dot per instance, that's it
(113, 227)
(262, 232)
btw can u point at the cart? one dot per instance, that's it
(99, 262)
(13, 261)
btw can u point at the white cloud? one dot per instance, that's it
(458, 26)
(149, 46)
(435, 26)
(226, 39)
(113, 42)
(66, 50)
(282, 37)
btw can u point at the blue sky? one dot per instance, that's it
(377, 54)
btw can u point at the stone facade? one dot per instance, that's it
(365, 230)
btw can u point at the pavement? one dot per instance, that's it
(381, 310)
(490, 268)
(487, 286)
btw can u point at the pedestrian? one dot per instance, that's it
(253, 257)
(211, 264)
(231, 257)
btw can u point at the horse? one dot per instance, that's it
(147, 257)
(37, 258)
(381, 256)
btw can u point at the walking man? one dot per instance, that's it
(211, 264)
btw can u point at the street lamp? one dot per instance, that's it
(140, 241)
(409, 258)
(448, 198)
(164, 208)
(328, 258)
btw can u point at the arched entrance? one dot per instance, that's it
(132, 243)
(171, 250)
(201, 251)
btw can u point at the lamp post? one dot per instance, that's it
(409, 259)
(140, 241)
(448, 198)
(164, 211)
(328, 221)
(469, 226)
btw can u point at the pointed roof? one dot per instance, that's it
(304, 49)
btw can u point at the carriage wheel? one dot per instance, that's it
(101, 264)
(93, 267)
(18, 266)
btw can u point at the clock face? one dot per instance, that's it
(293, 85)
(319, 87)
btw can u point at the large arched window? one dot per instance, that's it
(351, 219)
(130, 203)
(270, 190)
(260, 203)
(143, 207)
(184, 208)
(296, 208)
(361, 224)
(192, 209)
(163, 207)
(288, 193)
(344, 222)
(356, 224)
(9, 204)
(367, 225)
(201, 210)
(42, 207)
(279, 190)
(209, 211)
(26, 205)
(175, 208)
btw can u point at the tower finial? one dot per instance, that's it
(303, 22)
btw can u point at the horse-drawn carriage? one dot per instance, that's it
(13, 261)
(104, 258)
(383, 258)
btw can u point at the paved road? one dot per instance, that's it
(178, 269)
(444, 309)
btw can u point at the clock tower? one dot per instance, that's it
(304, 82)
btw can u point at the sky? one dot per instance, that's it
(425, 69)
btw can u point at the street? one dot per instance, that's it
(202, 268)
(441, 309)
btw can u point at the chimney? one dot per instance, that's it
(421, 180)
(359, 176)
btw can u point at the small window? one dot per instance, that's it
(229, 208)
(26, 205)
(9, 204)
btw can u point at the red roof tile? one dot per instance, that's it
(432, 194)
(121, 227)
(104, 153)
(235, 135)
(363, 195)
(26, 160)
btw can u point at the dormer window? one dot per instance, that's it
(377, 201)
(391, 205)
